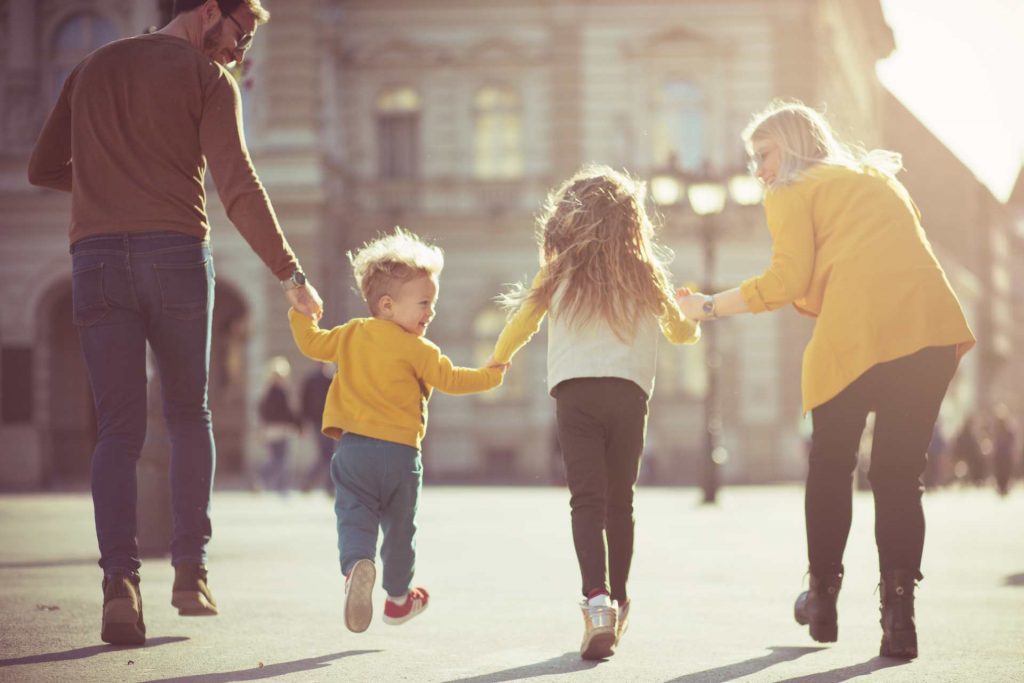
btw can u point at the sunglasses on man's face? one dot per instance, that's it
(244, 39)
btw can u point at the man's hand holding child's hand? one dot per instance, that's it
(306, 300)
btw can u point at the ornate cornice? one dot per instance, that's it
(678, 41)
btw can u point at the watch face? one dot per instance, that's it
(709, 306)
(298, 278)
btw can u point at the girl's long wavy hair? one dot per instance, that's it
(806, 139)
(596, 239)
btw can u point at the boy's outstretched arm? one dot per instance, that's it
(437, 371)
(321, 345)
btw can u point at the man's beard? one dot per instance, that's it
(211, 39)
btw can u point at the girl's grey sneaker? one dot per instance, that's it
(359, 595)
(122, 610)
(623, 620)
(599, 628)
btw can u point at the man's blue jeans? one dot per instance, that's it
(377, 484)
(127, 290)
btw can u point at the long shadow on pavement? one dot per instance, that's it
(83, 652)
(848, 672)
(268, 671)
(562, 664)
(751, 666)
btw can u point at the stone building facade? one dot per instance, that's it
(453, 118)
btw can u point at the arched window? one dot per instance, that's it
(74, 39)
(398, 119)
(679, 131)
(498, 143)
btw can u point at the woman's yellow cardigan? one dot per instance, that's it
(849, 250)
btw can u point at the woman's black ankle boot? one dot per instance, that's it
(899, 632)
(817, 607)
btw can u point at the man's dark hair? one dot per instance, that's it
(181, 6)
(226, 7)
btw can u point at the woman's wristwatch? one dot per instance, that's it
(709, 307)
(297, 279)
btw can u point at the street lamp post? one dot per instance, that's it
(707, 195)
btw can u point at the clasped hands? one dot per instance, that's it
(692, 304)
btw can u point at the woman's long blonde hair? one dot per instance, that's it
(595, 239)
(806, 139)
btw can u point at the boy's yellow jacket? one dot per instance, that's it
(385, 377)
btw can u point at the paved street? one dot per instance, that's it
(712, 590)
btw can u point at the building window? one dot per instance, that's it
(74, 39)
(498, 139)
(398, 121)
(486, 327)
(679, 130)
(16, 370)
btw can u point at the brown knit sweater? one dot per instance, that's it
(140, 119)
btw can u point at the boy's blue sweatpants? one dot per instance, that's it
(377, 484)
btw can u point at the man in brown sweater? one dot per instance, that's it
(130, 137)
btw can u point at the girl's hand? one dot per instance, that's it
(491, 363)
(683, 291)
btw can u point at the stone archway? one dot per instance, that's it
(228, 378)
(67, 419)
(69, 434)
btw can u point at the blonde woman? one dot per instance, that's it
(849, 250)
(608, 295)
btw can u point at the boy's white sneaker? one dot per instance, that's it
(359, 595)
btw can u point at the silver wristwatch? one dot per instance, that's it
(297, 279)
(709, 306)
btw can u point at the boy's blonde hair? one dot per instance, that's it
(806, 139)
(384, 264)
(595, 238)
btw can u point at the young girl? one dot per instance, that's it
(849, 251)
(608, 293)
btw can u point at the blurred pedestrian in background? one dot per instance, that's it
(1004, 448)
(278, 425)
(969, 461)
(314, 398)
(935, 471)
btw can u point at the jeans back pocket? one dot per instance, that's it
(184, 289)
(88, 304)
